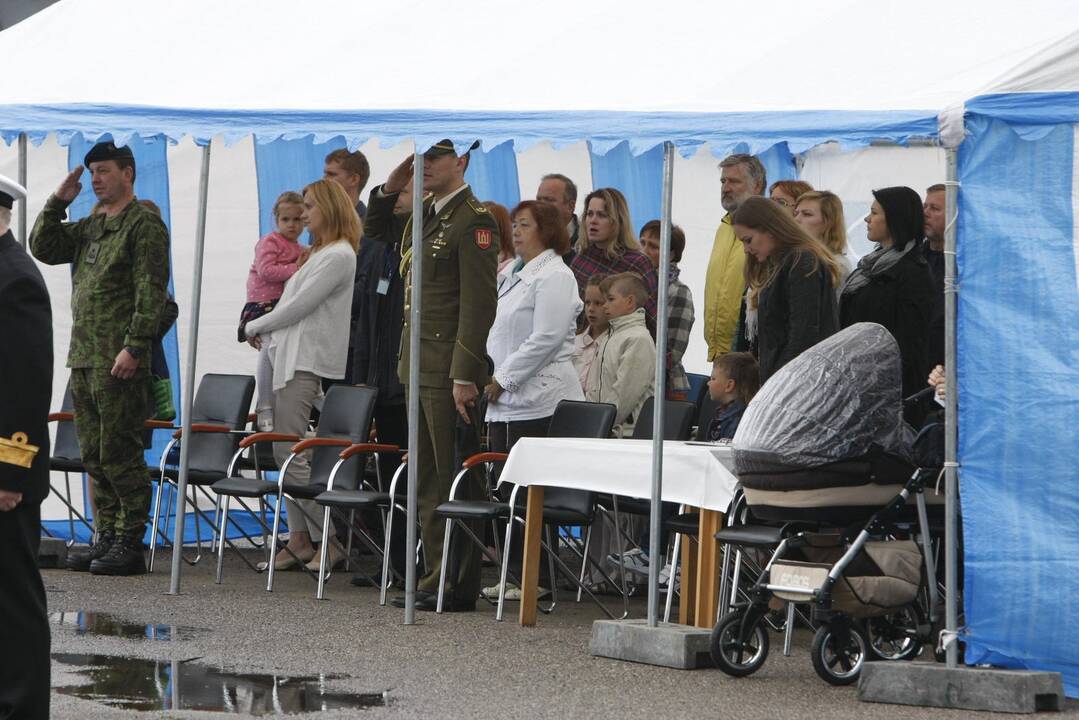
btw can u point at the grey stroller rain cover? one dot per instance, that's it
(833, 402)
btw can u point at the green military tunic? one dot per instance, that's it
(458, 302)
(119, 291)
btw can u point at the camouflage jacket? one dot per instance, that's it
(120, 276)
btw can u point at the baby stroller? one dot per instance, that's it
(826, 461)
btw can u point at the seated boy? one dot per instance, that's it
(627, 355)
(735, 380)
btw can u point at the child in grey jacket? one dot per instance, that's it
(624, 373)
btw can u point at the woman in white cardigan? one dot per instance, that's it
(308, 339)
(531, 341)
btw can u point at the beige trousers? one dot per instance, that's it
(291, 414)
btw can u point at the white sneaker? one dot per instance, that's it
(635, 560)
(513, 593)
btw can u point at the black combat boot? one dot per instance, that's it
(80, 561)
(125, 557)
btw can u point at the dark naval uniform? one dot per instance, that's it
(25, 395)
(460, 259)
(120, 287)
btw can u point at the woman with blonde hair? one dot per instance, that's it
(606, 244)
(820, 213)
(308, 339)
(790, 280)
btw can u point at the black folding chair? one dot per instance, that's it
(67, 458)
(561, 506)
(218, 418)
(345, 420)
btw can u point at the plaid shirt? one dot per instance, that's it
(594, 260)
(679, 324)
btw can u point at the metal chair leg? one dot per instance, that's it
(348, 541)
(675, 562)
(584, 561)
(273, 543)
(157, 514)
(386, 556)
(621, 557)
(550, 561)
(70, 510)
(445, 562)
(221, 545)
(324, 553)
(505, 565)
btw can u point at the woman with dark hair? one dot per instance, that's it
(891, 285)
(531, 340)
(790, 283)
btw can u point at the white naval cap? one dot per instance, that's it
(10, 191)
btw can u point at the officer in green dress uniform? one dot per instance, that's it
(460, 259)
(120, 263)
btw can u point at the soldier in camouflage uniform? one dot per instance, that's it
(460, 258)
(120, 260)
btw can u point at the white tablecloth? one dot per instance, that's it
(694, 474)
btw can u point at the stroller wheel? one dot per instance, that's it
(732, 654)
(838, 659)
(894, 636)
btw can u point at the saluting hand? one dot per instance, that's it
(9, 500)
(71, 187)
(399, 176)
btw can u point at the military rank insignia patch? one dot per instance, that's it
(483, 238)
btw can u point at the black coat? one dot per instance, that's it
(900, 299)
(794, 312)
(25, 367)
(378, 319)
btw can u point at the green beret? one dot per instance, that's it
(107, 151)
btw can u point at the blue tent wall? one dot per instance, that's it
(287, 165)
(1018, 365)
(492, 175)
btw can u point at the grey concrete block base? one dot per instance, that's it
(963, 688)
(668, 645)
(51, 553)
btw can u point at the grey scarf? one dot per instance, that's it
(875, 263)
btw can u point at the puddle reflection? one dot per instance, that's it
(104, 624)
(138, 684)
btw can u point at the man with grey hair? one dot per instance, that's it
(741, 177)
(561, 192)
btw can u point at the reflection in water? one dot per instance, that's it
(137, 684)
(95, 623)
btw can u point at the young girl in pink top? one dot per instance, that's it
(277, 258)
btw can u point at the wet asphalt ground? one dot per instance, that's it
(449, 666)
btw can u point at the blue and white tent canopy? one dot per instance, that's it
(731, 76)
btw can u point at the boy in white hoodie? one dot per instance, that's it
(625, 370)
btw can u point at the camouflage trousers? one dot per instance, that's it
(109, 415)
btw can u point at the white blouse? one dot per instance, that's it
(531, 341)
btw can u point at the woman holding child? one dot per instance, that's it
(791, 280)
(307, 334)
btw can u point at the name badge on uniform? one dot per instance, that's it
(383, 286)
(92, 251)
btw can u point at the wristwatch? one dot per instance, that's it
(133, 351)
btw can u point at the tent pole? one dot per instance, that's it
(411, 505)
(655, 527)
(22, 181)
(189, 377)
(951, 494)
